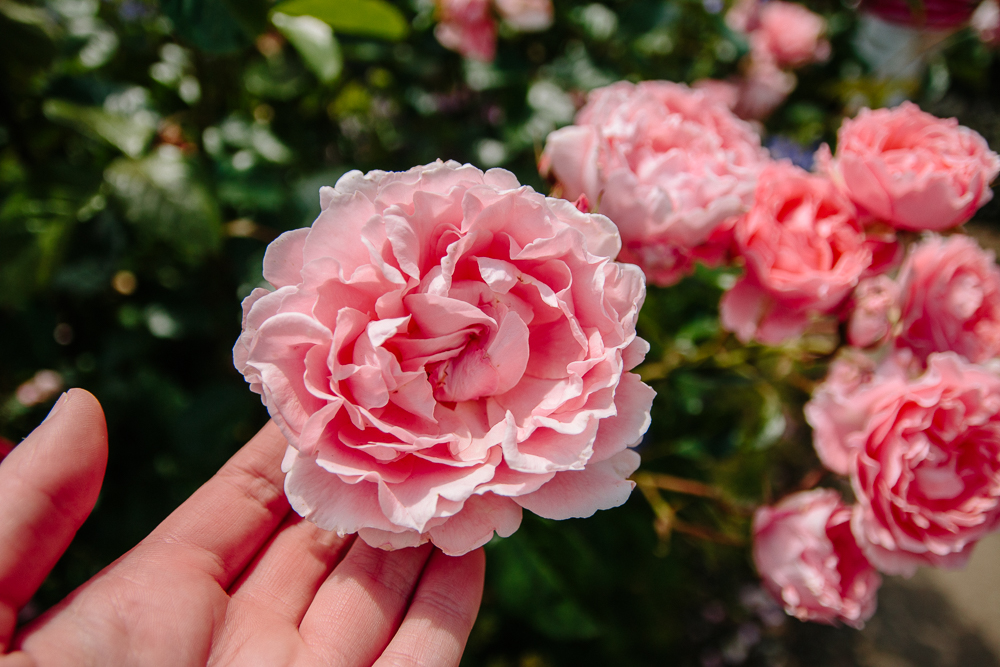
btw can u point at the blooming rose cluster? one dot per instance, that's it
(671, 166)
(910, 412)
(444, 347)
(470, 27)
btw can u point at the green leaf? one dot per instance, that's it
(531, 586)
(162, 195)
(130, 134)
(314, 41)
(368, 18)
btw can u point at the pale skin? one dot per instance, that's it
(232, 577)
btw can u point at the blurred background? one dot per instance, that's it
(150, 150)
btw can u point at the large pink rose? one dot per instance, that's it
(671, 166)
(926, 473)
(467, 26)
(444, 347)
(789, 34)
(951, 299)
(804, 551)
(911, 169)
(804, 249)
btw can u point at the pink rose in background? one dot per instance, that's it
(526, 15)
(910, 169)
(804, 551)
(804, 250)
(927, 471)
(875, 307)
(763, 88)
(789, 34)
(467, 26)
(444, 347)
(42, 386)
(670, 166)
(950, 299)
(839, 408)
(744, 15)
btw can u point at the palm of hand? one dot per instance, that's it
(232, 577)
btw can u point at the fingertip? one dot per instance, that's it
(71, 445)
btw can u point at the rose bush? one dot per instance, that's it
(911, 169)
(671, 166)
(804, 249)
(926, 471)
(804, 551)
(950, 299)
(442, 348)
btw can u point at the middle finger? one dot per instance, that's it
(286, 574)
(361, 605)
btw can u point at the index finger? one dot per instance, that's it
(48, 485)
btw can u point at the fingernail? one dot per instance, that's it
(56, 407)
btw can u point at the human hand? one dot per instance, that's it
(232, 577)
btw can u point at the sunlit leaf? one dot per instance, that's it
(129, 133)
(369, 18)
(314, 41)
(162, 196)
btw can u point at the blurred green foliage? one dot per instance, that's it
(149, 151)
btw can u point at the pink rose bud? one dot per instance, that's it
(876, 306)
(910, 169)
(804, 250)
(668, 164)
(926, 474)
(526, 15)
(582, 204)
(444, 347)
(789, 34)
(468, 27)
(804, 551)
(950, 299)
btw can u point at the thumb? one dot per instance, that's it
(48, 486)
